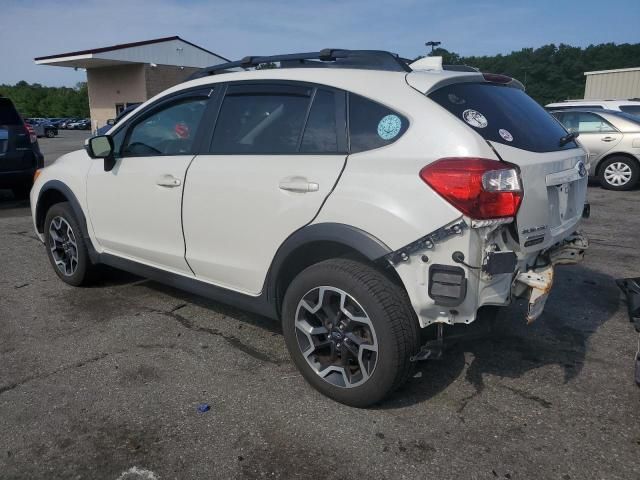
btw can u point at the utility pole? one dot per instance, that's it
(525, 76)
(432, 44)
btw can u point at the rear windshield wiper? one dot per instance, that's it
(569, 137)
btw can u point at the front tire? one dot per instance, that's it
(66, 247)
(619, 173)
(350, 331)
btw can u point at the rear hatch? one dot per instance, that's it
(15, 143)
(521, 132)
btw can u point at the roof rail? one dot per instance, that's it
(326, 58)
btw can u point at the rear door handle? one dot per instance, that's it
(168, 181)
(298, 185)
(608, 139)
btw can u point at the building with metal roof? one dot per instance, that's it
(620, 84)
(119, 75)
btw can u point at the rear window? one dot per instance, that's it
(632, 109)
(504, 115)
(8, 114)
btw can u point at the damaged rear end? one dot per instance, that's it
(520, 205)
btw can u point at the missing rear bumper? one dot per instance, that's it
(539, 282)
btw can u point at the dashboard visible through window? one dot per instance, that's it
(168, 131)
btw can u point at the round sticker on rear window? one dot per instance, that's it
(389, 127)
(506, 135)
(474, 118)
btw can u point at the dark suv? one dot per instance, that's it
(20, 154)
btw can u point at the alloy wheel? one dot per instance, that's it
(64, 249)
(336, 337)
(618, 174)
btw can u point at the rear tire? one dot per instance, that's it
(66, 247)
(619, 173)
(356, 347)
(50, 134)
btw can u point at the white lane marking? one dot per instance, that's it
(135, 473)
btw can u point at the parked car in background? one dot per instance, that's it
(612, 139)
(82, 124)
(356, 203)
(56, 121)
(114, 121)
(20, 154)
(43, 128)
(65, 123)
(631, 106)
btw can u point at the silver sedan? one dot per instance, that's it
(612, 139)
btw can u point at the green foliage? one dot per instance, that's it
(34, 100)
(552, 73)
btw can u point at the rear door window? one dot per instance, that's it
(585, 122)
(372, 125)
(504, 115)
(261, 119)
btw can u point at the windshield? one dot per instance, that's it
(503, 114)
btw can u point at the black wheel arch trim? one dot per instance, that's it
(62, 188)
(359, 240)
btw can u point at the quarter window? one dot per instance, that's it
(168, 131)
(372, 125)
(253, 122)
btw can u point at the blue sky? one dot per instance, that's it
(235, 28)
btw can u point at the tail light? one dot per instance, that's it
(33, 138)
(480, 188)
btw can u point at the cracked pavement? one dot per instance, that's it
(97, 381)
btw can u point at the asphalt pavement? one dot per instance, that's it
(105, 382)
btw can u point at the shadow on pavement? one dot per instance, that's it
(499, 343)
(504, 346)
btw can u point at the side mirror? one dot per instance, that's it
(111, 121)
(101, 146)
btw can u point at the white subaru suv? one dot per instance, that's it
(344, 193)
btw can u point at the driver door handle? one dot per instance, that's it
(168, 181)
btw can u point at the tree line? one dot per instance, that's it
(35, 100)
(550, 73)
